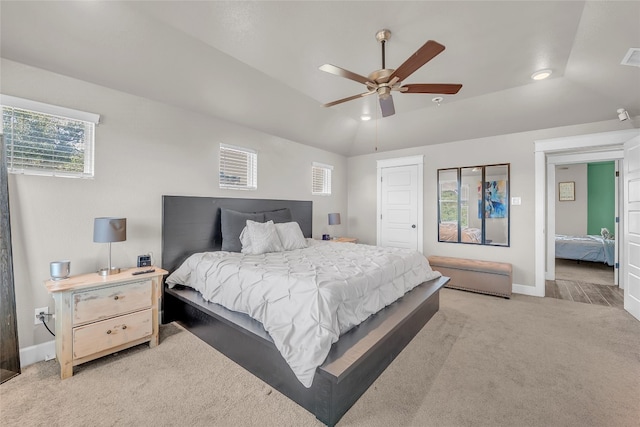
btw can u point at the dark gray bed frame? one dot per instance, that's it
(192, 224)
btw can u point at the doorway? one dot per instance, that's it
(579, 243)
(609, 145)
(585, 223)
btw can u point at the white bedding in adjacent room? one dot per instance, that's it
(306, 298)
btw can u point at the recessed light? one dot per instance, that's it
(365, 117)
(541, 74)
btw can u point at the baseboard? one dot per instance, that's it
(525, 290)
(37, 353)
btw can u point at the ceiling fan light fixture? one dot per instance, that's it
(541, 74)
(384, 92)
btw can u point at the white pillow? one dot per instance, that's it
(291, 236)
(259, 238)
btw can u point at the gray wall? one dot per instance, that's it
(571, 216)
(144, 149)
(516, 149)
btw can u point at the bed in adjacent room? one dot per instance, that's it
(448, 232)
(586, 248)
(318, 321)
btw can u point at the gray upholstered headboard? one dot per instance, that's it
(192, 224)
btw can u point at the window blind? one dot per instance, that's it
(321, 179)
(238, 168)
(46, 144)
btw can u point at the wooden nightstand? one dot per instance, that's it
(99, 315)
(345, 240)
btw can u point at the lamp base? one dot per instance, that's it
(108, 271)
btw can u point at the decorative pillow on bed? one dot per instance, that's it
(233, 222)
(291, 236)
(259, 238)
(604, 232)
(278, 216)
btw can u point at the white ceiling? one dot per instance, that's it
(256, 63)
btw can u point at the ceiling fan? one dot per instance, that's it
(386, 80)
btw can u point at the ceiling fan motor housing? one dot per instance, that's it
(381, 76)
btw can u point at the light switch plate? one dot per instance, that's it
(515, 201)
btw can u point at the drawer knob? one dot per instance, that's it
(108, 331)
(124, 327)
(116, 297)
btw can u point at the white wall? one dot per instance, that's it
(144, 150)
(571, 216)
(516, 149)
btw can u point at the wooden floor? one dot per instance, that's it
(589, 293)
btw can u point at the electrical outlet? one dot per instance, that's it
(38, 311)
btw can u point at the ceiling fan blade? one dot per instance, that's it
(423, 55)
(386, 105)
(345, 73)
(443, 88)
(340, 101)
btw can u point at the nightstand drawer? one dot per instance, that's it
(112, 301)
(107, 334)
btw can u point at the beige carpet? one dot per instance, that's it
(587, 272)
(481, 361)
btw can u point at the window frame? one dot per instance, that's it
(251, 168)
(57, 114)
(326, 172)
(465, 200)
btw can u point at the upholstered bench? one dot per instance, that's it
(486, 277)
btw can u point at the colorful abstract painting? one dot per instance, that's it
(495, 198)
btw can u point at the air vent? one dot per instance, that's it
(632, 57)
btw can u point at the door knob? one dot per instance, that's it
(413, 226)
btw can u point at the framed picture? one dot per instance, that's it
(567, 191)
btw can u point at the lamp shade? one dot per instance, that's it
(107, 230)
(334, 219)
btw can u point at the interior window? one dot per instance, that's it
(473, 205)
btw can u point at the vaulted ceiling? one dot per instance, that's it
(256, 63)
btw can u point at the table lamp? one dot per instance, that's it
(334, 219)
(108, 230)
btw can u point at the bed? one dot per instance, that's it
(193, 225)
(448, 232)
(586, 248)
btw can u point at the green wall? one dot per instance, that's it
(600, 197)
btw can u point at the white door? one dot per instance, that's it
(399, 207)
(631, 265)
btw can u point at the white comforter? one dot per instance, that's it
(306, 298)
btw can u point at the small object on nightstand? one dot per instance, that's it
(135, 273)
(60, 269)
(144, 260)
